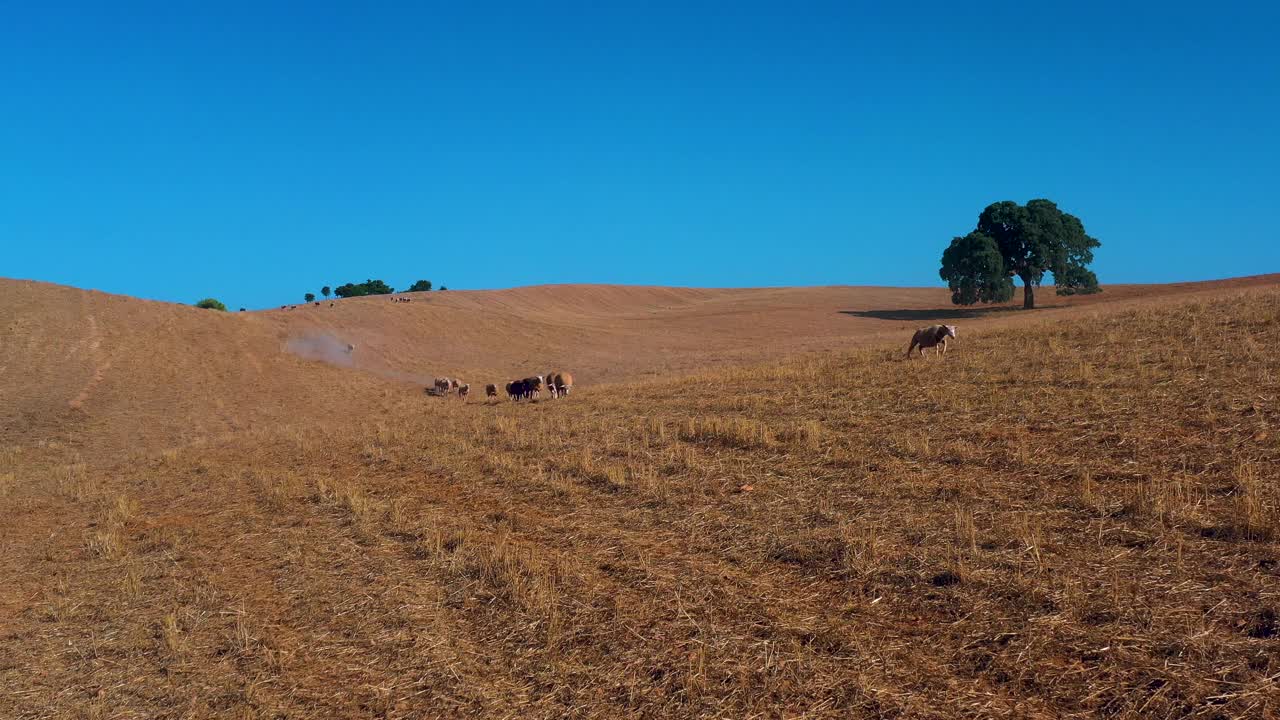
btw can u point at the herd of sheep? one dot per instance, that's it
(556, 383)
(559, 384)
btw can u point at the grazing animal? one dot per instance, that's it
(932, 336)
(490, 391)
(533, 386)
(442, 385)
(463, 390)
(564, 383)
(558, 383)
(515, 389)
(350, 348)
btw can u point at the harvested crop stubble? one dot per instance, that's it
(1068, 519)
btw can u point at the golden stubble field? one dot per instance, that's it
(1072, 517)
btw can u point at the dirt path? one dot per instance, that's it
(100, 363)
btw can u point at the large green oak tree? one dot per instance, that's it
(1023, 241)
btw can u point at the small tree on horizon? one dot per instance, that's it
(420, 286)
(1030, 240)
(377, 287)
(325, 291)
(211, 304)
(443, 288)
(368, 287)
(309, 297)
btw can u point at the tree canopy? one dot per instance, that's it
(420, 286)
(368, 287)
(974, 269)
(325, 291)
(1076, 280)
(309, 297)
(211, 304)
(1025, 241)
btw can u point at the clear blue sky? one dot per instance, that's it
(254, 151)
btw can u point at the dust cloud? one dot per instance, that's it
(325, 348)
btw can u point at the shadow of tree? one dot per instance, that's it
(939, 313)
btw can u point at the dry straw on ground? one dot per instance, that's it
(1071, 519)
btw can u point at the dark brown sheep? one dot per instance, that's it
(932, 336)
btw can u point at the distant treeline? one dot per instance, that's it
(370, 287)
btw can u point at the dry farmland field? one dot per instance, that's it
(751, 506)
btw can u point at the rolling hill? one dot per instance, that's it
(95, 369)
(751, 506)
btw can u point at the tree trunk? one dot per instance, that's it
(1028, 294)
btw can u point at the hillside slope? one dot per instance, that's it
(1071, 518)
(610, 333)
(94, 370)
(99, 370)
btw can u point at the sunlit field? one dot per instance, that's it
(1068, 518)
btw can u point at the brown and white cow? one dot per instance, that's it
(561, 382)
(491, 391)
(464, 389)
(932, 336)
